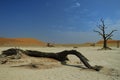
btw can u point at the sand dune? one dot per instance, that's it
(21, 42)
(16, 42)
(110, 43)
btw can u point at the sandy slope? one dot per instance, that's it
(110, 60)
(21, 42)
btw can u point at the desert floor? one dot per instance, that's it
(109, 59)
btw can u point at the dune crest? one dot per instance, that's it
(21, 42)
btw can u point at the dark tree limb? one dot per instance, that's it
(61, 56)
(98, 32)
(109, 35)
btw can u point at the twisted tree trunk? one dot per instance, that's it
(60, 56)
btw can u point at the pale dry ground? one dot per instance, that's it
(110, 60)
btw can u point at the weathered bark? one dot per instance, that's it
(61, 56)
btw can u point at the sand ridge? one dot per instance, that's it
(21, 42)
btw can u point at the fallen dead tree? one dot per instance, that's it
(60, 56)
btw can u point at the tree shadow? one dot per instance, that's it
(96, 67)
(77, 66)
(27, 65)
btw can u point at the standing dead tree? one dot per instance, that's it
(103, 34)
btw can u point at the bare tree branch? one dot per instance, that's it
(110, 33)
(98, 32)
(109, 37)
(102, 22)
(100, 27)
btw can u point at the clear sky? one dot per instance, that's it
(58, 21)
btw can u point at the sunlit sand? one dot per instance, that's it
(75, 70)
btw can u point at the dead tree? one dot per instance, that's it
(103, 34)
(60, 56)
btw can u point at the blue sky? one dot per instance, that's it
(58, 21)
